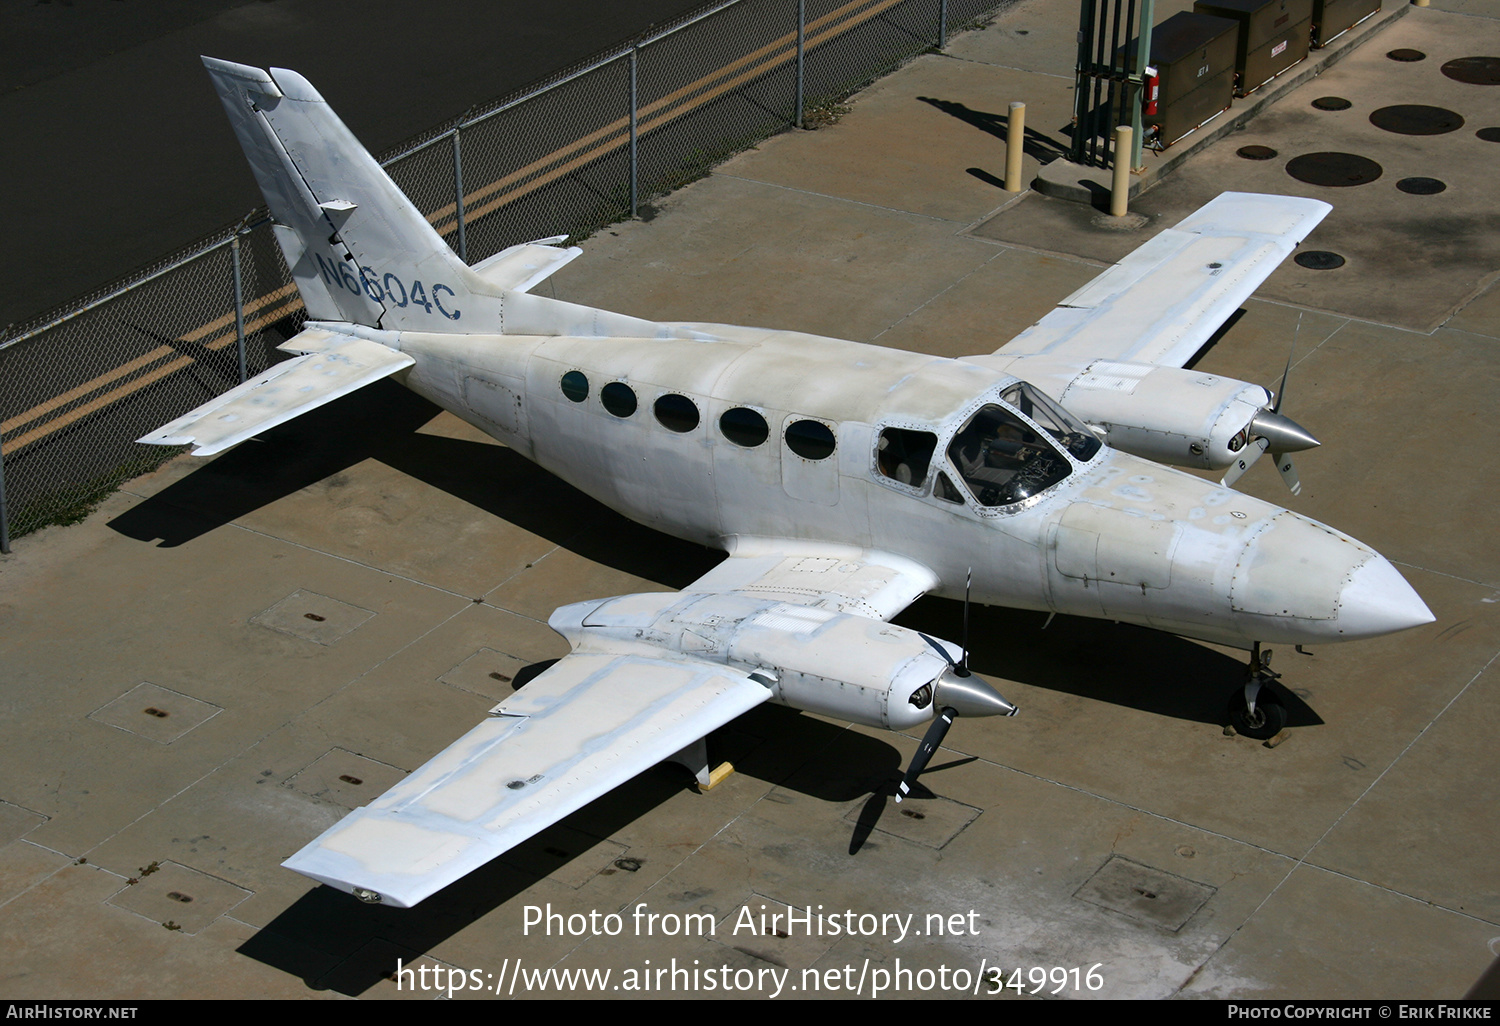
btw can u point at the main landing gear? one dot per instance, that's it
(1254, 710)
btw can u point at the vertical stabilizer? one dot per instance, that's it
(358, 249)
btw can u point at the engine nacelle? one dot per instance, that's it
(1181, 417)
(838, 664)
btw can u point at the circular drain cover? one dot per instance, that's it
(1416, 119)
(1256, 152)
(1319, 260)
(1489, 134)
(1474, 70)
(1335, 169)
(1421, 186)
(1332, 103)
(1407, 56)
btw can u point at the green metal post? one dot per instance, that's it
(1142, 60)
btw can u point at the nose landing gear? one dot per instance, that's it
(1254, 710)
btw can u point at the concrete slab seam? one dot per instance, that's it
(346, 559)
(1303, 860)
(838, 199)
(936, 296)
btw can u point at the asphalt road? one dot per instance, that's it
(118, 149)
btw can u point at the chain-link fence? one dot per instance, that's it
(584, 149)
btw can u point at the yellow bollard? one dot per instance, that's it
(1119, 190)
(1419, 3)
(1015, 146)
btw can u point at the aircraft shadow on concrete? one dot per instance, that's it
(1119, 664)
(333, 941)
(381, 422)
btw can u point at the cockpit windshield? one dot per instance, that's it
(1002, 459)
(1080, 442)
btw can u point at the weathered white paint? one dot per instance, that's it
(932, 475)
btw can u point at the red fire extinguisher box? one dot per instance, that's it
(1194, 58)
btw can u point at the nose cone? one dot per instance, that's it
(1299, 580)
(1377, 600)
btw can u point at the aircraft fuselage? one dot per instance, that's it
(640, 425)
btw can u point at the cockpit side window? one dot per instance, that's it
(946, 490)
(1001, 459)
(1059, 423)
(904, 455)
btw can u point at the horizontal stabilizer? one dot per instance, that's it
(335, 365)
(521, 268)
(581, 729)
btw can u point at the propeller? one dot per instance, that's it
(1274, 432)
(955, 692)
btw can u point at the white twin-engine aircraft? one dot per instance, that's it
(843, 480)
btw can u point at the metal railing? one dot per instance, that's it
(583, 149)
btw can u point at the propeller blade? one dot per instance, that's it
(930, 744)
(1248, 455)
(1288, 473)
(1281, 392)
(963, 669)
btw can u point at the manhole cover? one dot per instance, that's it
(1332, 103)
(1417, 119)
(1489, 134)
(1421, 186)
(1256, 152)
(1333, 169)
(1145, 893)
(1319, 260)
(1406, 56)
(1474, 70)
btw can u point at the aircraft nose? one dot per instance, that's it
(1377, 600)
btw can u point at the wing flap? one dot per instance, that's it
(873, 584)
(582, 728)
(1162, 302)
(334, 365)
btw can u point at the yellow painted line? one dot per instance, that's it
(135, 384)
(777, 53)
(158, 353)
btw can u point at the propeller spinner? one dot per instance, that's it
(957, 692)
(1272, 431)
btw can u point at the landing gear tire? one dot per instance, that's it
(1265, 722)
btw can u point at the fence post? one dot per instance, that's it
(801, 54)
(4, 513)
(458, 197)
(634, 153)
(239, 306)
(943, 25)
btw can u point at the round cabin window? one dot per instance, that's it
(575, 386)
(618, 398)
(744, 427)
(676, 413)
(810, 439)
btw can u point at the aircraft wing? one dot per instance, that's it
(651, 679)
(333, 364)
(1165, 300)
(588, 724)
